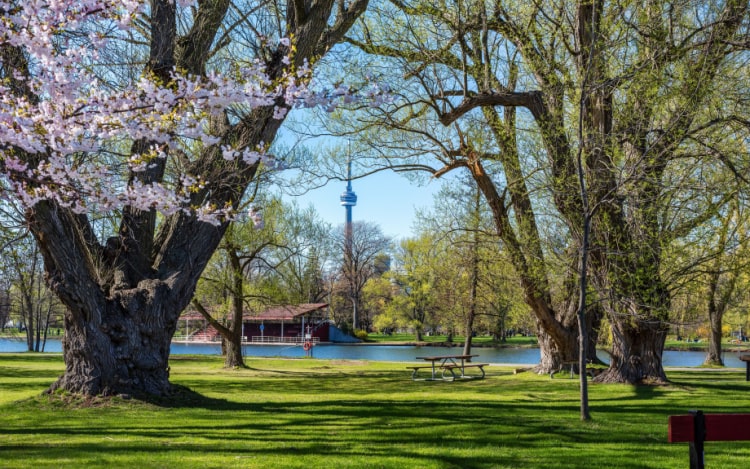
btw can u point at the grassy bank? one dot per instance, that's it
(530, 341)
(457, 341)
(319, 413)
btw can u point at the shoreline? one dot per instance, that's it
(672, 348)
(697, 347)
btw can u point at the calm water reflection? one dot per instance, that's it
(402, 353)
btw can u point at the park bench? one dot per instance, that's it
(696, 428)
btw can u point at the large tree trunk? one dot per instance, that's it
(552, 355)
(123, 347)
(636, 355)
(117, 336)
(555, 353)
(233, 351)
(637, 305)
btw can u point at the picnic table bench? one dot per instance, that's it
(697, 428)
(448, 364)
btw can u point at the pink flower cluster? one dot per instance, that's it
(63, 134)
(66, 136)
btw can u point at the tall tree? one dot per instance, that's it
(445, 54)
(307, 249)
(360, 261)
(243, 248)
(469, 252)
(724, 275)
(198, 116)
(647, 77)
(377, 298)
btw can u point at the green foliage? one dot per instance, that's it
(279, 263)
(414, 276)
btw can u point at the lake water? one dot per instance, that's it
(400, 353)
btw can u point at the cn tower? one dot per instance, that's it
(349, 200)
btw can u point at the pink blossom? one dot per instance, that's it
(80, 131)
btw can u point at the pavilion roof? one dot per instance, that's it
(191, 316)
(288, 311)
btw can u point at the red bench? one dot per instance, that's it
(697, 427)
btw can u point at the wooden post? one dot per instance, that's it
(746, 358)
(699, 437)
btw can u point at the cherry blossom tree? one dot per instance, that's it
(168, 148)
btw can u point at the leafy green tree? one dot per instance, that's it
(254, 268)
(722, 288)
(465, 246)
(377, 297)
(709, 267)
(300, 262)
(520, 89)
(243, 252)
(413, 274)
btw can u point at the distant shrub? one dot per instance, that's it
(360, 334)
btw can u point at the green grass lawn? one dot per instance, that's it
(311, 413)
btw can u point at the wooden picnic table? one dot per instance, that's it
(449, 363)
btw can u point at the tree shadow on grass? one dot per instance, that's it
(24, 372)
(185, 397)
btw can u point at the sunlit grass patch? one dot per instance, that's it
(342, 413)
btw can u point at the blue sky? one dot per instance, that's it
(387, 199)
